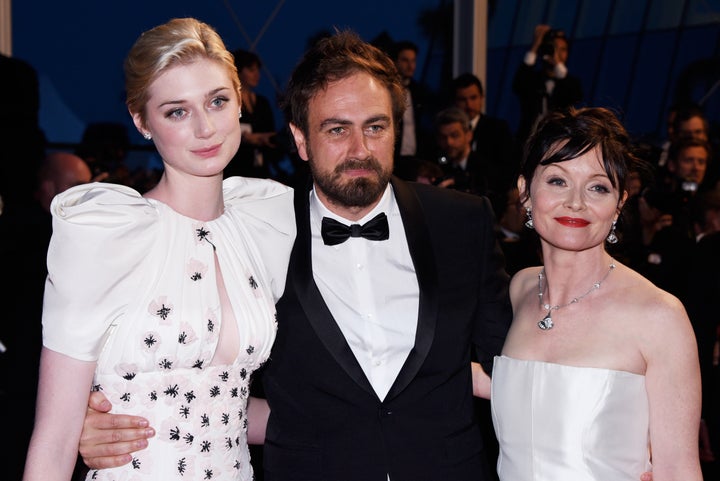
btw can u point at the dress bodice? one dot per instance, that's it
(563, 423)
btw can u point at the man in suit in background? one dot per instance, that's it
(493, 141)
(415, 127)
(370, 376)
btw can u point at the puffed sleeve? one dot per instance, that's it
(266, 211)
(101, 236)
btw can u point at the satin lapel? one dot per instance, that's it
(311, 300)
(421, 251)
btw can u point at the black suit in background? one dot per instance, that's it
(499, 152)
(326, 421)
(530, 88)
(421, 102)
(701, 303)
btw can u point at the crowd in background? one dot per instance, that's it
(669, 229)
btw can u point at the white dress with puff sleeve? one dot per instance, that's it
(132, 285)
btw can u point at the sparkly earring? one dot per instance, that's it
(612, 238)
(147, 135)
(529, 222)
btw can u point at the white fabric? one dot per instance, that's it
(371, 290)
(132, 284)
(565, 423)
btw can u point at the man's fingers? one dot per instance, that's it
(107, 462)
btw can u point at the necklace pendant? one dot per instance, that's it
(546, 323)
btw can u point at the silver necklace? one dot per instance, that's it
(546, 323)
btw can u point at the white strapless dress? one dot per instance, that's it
(565, 423)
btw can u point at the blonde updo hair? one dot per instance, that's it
(179, 41)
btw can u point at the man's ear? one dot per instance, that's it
(300, 141)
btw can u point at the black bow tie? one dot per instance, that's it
(334, 232)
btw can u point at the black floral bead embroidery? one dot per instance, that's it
(224, 376)
(215, 391)
(136, 463)
(210, 325)
(189, 438)
(165, 364)
(182, 337)
(153, 396)
(125, 397)
(204, 420)
(163, 312)
(208, 474)
(204, 235)
(171, 391)
(182, 466)
(184, 411)
(150, 340)
(196, 276)
(199, 364)
(205, 447)
(175, 434)
(189, 396)
(129, 376)
(253, 283)
(250, 349)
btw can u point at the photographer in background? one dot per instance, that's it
(664, 235)
(542, 82)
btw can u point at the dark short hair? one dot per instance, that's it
(245, 58)
(401, 45)
(335, 58)
(452, 115)
(576, 132)
(465, 80)
(686, 112)
(682, 143)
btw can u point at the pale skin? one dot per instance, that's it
(628, 324)
(192, 115)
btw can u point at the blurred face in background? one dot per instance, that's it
(694, 127)
(691, 164)
(455, 141)
(250, 76)
(406, 63)
(470, 100)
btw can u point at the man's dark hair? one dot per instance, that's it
(335, 58)
(465, 80)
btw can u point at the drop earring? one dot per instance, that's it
(529, 222)
(612, 238)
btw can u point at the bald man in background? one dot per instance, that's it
(24, 236)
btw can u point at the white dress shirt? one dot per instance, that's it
(371, 290)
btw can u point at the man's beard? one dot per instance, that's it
(357, 192)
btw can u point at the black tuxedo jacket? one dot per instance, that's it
(495, 143)
(326, 422)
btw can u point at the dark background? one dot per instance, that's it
(635, 56)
